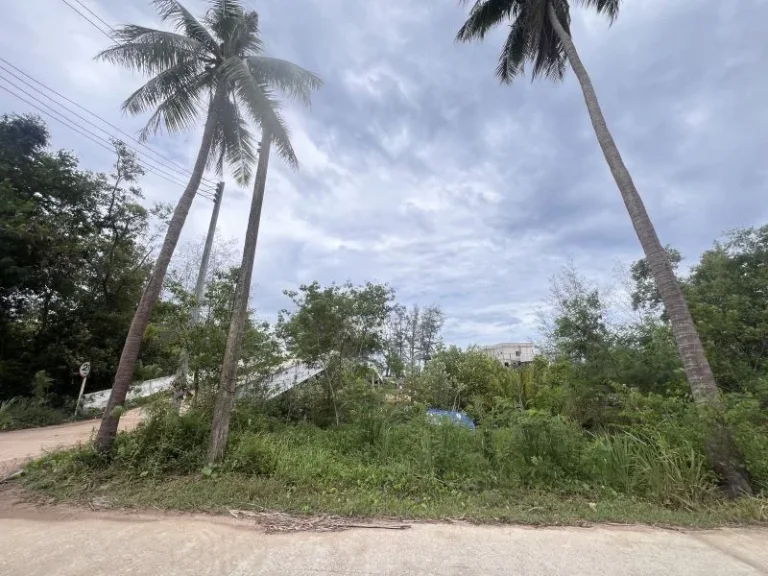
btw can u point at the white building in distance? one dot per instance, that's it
(511, 354)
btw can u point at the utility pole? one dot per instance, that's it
(200, 286)
(180, 383)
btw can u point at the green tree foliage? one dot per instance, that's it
(217, 63)
(413, 337)
(728, 292)
(539, 35)
(339, 320)
(340, 328)
(170, 330)
(605, 417)
(646, 295)
(74, 257)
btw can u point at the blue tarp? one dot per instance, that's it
(450, 416)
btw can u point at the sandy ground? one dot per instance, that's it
(65, 541)
(20, 445)
(70, 541)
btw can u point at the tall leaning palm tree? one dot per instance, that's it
(539, 35)
(197, 67)
(267, 75)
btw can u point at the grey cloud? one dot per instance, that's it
(419, 170)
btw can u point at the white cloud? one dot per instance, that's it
(417, 169)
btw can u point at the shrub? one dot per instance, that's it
(248, 416)
(20, 413)
(165, 442)
(251, 454)
(749, 422)
(536, 448)
(449, 452)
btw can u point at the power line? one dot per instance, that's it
(158, 171)
(92, 13)
(91, 22)
(153, 167)
(85, 132)
(180, 169)
(84, 109)
(210, 182)
(140, 143)
(78, 105)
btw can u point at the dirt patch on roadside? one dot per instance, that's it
(20, 446)
(17, 503)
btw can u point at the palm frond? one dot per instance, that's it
(294, 81)
(531, 38)
(233, 142)
(183, 20)
(150, 51)
(514, 54)
(233, 26)
(546, 49)
(245, 38)
(608, 7)
(485, 15)
(164, 85)
(180, 110)
(262, 107)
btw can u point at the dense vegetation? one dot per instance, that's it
(343, 330)
(75, 252)
(603, 416)
(73, 261)
(601, 427)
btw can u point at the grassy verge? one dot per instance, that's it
(200, 493)
(536, 471)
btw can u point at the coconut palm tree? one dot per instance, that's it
(539, 35)
(199, 66)
(268, 75)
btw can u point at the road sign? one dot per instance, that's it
(85, 369)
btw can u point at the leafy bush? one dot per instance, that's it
(18, 413)
(165, 443)
(536, 448)
(652, 452)
(749, 422)
(252, 454)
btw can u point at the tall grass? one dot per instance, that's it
(646, 464)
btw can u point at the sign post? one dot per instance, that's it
(85, 369)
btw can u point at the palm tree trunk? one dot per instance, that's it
(225, 397)
(132, 346)
(722, 450)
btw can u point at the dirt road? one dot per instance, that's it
(77, 542)
(21, 445)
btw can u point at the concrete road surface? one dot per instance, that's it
(20, 445)
(76, 542)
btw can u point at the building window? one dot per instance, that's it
(517, 353)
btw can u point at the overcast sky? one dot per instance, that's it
(419, 170)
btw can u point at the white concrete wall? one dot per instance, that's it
(98, 400)
(290, 374)
(512, 353)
